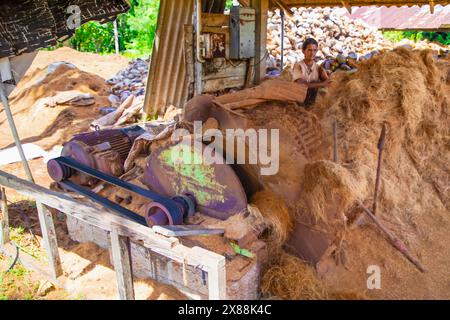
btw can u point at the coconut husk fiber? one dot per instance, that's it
(409, 91)
(274, 213)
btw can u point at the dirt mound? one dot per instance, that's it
(409, 91)
(48, 126)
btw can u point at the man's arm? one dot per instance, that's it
(324, 80)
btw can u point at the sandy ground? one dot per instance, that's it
(88, 273)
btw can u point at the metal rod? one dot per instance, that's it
(14, 132)
(282, 38)
(198, 31)
(45, 217)
(395, 242)
(381, 144)
(116, 37)
(335, 142)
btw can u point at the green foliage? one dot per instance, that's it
(142, 22)
(397, 36)
(136, 31)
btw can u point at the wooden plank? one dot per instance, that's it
(226, 70)
(186, 230)
(87, 211)
(217, 283)
(262, 7)
(215, 20)
(223, 83)
(120, 247)
(50, 242)
(4, 222)
(100, 217)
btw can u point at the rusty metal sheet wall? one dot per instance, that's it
(167, 78)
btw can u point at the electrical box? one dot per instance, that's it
(213, 45)
(242, 33)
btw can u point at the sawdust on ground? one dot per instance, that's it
(88, 272)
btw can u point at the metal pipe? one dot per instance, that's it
(282, 38)
(45, 218)
(199, 30)
(14, 132)
(116, 37)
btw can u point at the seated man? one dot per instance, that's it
(308, 72)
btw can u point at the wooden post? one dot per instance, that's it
(189, 58)
(262, 7)
(217, 282)
(4, 222)
(198, 66)
(116, 37)
(121, 254)
(45, 217)
(215, 266)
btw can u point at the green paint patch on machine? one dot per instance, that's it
(179, 169)
(193, 174)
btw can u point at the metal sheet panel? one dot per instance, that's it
(356, 3)
(167, 83)
(405, 18)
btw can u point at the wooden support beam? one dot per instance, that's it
(262, 7)
(120, 247)
(189, 58)
(98, 216)
(217, 280)
(4, 222)
(50, 242)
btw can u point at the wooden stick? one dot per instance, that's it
(335, 142)
(395, 242)
(381, 143)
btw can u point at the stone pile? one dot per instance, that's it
(131, 81)
(335, 32)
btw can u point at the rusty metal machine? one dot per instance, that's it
(104, 150)
(175, 192)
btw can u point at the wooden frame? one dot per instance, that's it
(122, 231)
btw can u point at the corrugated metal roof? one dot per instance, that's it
(167, 84)
(405, 18)
(357, 3)
(167, 79)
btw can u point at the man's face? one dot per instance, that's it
(310, 52)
